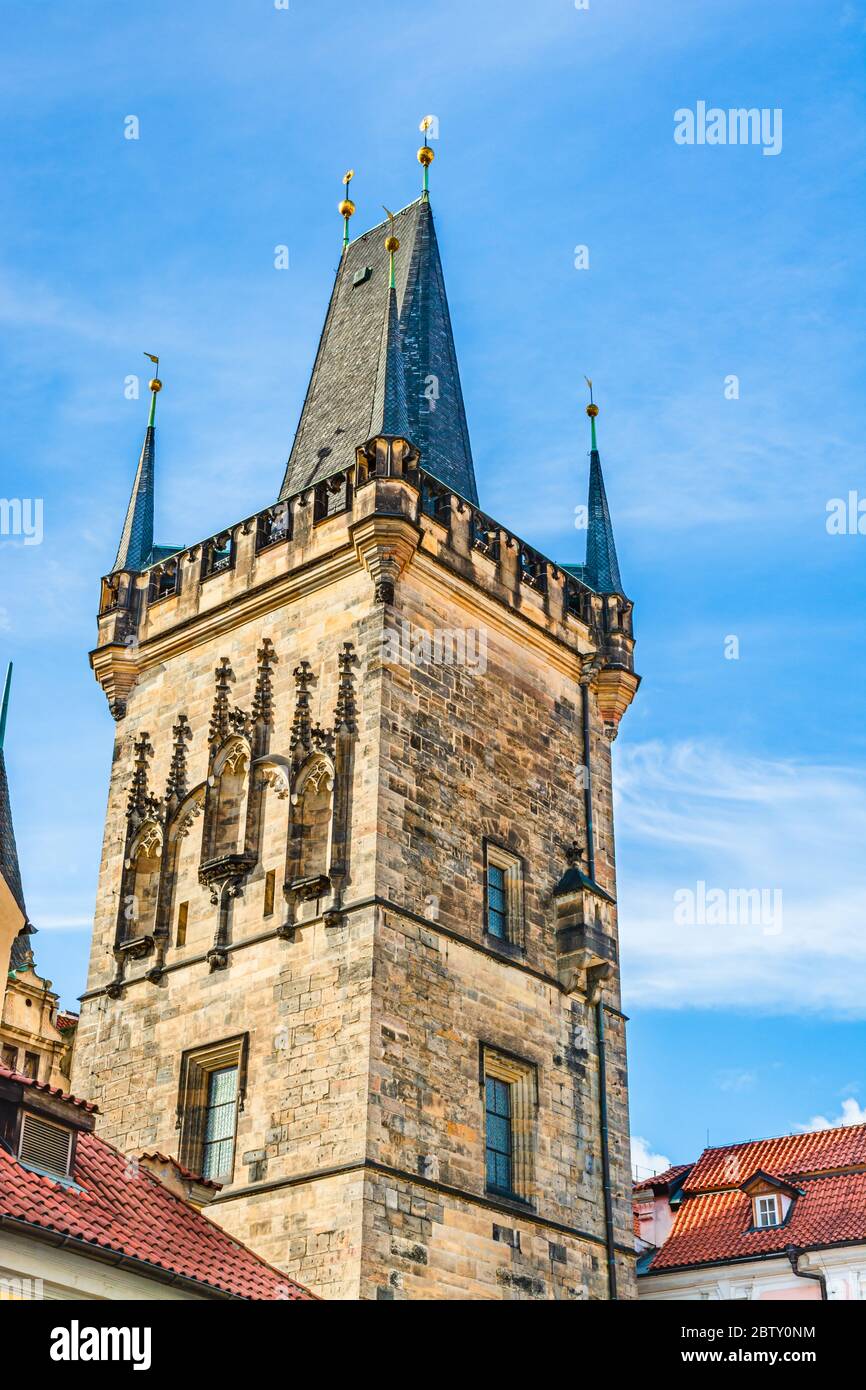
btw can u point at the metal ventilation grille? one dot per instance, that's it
(45, 1145)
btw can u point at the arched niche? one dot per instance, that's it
(312, 818)
(141, 881)
(230, 779)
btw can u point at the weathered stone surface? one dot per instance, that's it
(360, 1143)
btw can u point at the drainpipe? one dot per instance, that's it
(794, 1254)
(594, 992)
(605, 1150)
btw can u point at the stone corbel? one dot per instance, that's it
(615, 689)
(385, 546)
(116, 668)
(225, 878)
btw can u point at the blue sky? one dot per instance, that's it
(555, 131)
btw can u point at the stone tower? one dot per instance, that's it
(355, 946)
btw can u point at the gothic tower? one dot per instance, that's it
(355, 948)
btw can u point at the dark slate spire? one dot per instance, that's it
(390, 415)
(8, 849)
(21, 957)
(135, 551)
(601, 571)
(346, 383)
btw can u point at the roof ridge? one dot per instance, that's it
(774, 1138)
(386, 220)
(49, 1090)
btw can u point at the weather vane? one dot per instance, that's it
(155, 386)
(425, 154)
(346, 208)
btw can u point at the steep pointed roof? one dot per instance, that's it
(390, 412)
(601, 570)
(137, 550)
(9, 866)
(136, 538)
(345, 390)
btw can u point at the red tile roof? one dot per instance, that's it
(714, 1222)
(790, 1156)
(120, 1207)
(662, 1179)
(49, 1090)
(184, 1172)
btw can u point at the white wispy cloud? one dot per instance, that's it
(696, 812)
(852, 1114)
(645, 1162)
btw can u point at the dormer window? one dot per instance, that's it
(42, 1127)
(767, 1211)
(45, 1146)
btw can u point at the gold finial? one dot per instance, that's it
(392, 244)
(155, 387)
(425, 154)
(592, 411)
(346, 207)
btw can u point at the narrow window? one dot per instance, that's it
(31, 1065)
(10, 1057)
(503, 895)
(270, 881)
(219, 1128)
(767, 1211)
(497, 914)
(510, 1105)
(499, 1136)
(212, 1086)
(182, 919)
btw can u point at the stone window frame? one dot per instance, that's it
(196, 1067)
(521, 1075)
(515, 877)
(269, 894)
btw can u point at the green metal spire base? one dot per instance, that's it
(4, 707)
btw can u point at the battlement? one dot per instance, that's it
(382, 513)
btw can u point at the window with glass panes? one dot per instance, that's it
(499, 1138)
(219, 1124)
(497, 902)
(767, 1211)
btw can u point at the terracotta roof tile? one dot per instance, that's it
(714, 1226)
(714, 1222)
(788, 1156)
(662, 1179)
(49, 1090)
(121, 1207)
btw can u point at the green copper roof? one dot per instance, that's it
(602, 567)
(4, 706)
(136, 538)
